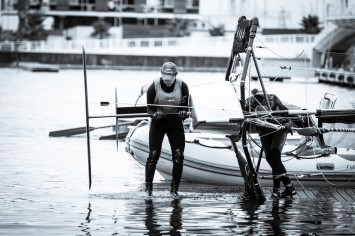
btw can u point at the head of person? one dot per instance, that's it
(168, 73)
(254, 91)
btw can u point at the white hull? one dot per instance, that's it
(209, 159)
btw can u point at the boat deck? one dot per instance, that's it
(188, 190)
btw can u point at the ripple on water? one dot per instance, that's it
(44, 181)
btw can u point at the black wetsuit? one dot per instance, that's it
(172, 126)
(273, 141)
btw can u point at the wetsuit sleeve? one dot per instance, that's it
(184, 96)
(150, 99)
(279, 104)
(284, 121)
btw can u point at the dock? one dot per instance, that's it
(190, 190)
(338, 77)
(36, 67)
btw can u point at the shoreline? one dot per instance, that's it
(105, 61)
(53, 62)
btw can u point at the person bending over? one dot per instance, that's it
(273, 143)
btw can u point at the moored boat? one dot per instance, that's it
(222, 145)
(210, 159)
(225, 148)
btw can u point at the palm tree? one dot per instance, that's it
(217, 30)
(310, 24)
(101, 29)
(179, 27)
(7, 35)
(31, 27)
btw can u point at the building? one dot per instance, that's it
(66, 14)
(333, 48)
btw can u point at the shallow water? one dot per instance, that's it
(44, 181)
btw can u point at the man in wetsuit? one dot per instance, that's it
(273, 142)
(170, 94)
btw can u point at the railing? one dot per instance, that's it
(113, 46)
(207, 46)
(289, 38)
(336, 76)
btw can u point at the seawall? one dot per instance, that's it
(104, 61)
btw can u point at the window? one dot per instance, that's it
(144, 43)
(192, 3)
(73, 2)
(169, 3)
(131, 44)
(285, 39)
(158, 43)
(300, 39)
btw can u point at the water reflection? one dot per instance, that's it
(271, 217)
(151, 220)
(176, 217)
(279, 214)
(88, 215)
(40, 195)
(85, 225)
(251, 211)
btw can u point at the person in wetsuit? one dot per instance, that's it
(273, 142)
(171, 95)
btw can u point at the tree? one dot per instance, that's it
(31, 27)
(101, 29)
(7, 35)
(179, 27)
(217, 30)
(310, 24)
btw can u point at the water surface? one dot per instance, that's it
(44, 181)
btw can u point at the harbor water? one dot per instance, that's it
(44, 186)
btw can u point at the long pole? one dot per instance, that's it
(253, 28)
(260, 79)
(87, 117)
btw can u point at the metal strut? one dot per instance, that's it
(243, 43)
(253, 189)
(87, 116)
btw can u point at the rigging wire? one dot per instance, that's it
(313, 148)
(275, 52)
(282, 66)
